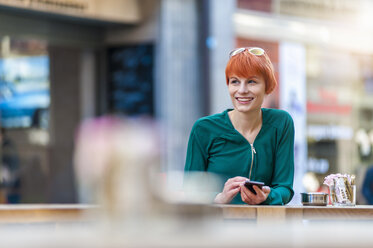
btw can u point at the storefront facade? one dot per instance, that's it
(324, 59)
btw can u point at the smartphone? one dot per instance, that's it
(249, 184)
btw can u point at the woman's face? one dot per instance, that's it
(247, 94)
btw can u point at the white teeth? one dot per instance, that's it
(244, 99)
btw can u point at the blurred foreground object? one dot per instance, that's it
(112, 162)
(201, 187)
(117, 163)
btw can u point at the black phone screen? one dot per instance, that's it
(250, 184)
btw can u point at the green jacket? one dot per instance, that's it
(217, 147)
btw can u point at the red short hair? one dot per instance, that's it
(245, 64)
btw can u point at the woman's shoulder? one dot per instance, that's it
(211, 121)
(215, 118)
(276, 112)
(276, 116)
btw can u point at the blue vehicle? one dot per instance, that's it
(23, 108)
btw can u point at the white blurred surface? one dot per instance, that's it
(238, 234)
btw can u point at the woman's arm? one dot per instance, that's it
(283, 174)
(196, 158)
(197, 161)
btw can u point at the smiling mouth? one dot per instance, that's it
(244, 100)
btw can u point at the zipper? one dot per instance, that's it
(252, 159)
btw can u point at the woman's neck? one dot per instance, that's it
(246, 122)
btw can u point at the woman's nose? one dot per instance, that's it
(244, 88)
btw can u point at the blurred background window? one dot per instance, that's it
(337, 73)
(24, 83)
(131, 79)
(24, 122)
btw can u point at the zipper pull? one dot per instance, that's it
(252, 147)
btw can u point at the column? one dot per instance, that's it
(220, 42)
(178, 102)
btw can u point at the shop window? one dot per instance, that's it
(131, 80)
(24, 84)
(24, 115)
(339, 111)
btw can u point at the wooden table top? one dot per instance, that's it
(296, 212)
(34, 213)
(358, 235)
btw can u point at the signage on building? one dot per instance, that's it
(80, 6)
(292, 64)
(324, 9)
(123, 11)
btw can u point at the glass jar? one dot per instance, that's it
(343, 196)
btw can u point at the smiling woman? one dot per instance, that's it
(248, 142)
(246, 93)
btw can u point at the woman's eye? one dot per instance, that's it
(251, 82)
(235, 82)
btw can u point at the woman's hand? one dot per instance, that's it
(252, 199)
(231, 189)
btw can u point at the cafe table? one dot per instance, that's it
(296, 213)
(45, 213)
(61, 216)
(75, 213)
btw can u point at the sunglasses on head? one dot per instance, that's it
(257, 51)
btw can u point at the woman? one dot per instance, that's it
(247, 142)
